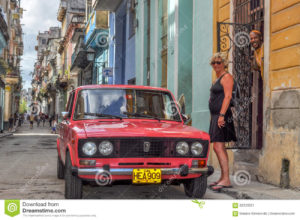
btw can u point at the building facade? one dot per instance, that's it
(174, 42)
(173, 48)
(272, 153)
(71, 14)
(11, 50)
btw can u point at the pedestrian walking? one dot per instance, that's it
(15, 118)
(54, 124)
(221, 128)
(31, 118)
(38, 120)
(11, 122)
(50, 120)
(43, 118)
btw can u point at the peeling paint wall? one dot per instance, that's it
(283, 115)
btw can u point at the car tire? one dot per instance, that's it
(73, 185)
(196, 188)
(60, 169)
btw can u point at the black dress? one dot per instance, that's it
(226, 133)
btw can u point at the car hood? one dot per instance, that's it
(140, 129)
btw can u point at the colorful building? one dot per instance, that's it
(11, 44)
(174, 42)
(271, 153)
(173, 49)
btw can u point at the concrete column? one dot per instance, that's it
(7, 104)
(141, 45)
(202, 72)
(173, 24)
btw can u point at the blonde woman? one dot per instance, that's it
(221, 125)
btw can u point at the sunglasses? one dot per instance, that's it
(216, 62)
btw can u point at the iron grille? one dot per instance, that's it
(233, 39)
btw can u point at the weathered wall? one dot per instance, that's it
(283, 114)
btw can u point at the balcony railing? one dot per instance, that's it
(79, 57)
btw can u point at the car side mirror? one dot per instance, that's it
(65, 115)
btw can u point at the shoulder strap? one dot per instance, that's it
(223, 75)
(219, 80)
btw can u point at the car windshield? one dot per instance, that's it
(125, 103)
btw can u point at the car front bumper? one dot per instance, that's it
(182, 171)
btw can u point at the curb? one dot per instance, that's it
(5, 135)
(236, 194)
(9, 133)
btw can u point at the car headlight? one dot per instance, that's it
(196, 148)
(106, 148)
(182, 148)
(89, 148)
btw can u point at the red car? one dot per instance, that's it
(133, 134)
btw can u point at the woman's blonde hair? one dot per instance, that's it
(222, 56)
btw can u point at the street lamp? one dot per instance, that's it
(90, 54)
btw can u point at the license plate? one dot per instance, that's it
(146, 176)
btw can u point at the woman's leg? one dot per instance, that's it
(219, 148)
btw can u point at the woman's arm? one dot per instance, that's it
(227, 83)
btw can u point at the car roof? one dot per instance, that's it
(122, 87)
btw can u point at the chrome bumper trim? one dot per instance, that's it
(128, 171)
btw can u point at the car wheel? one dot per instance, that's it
(196, 188)
(60, 169)
(73, 185)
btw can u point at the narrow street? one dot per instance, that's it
(28, 171)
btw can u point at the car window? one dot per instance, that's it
(125, 103)
(70, 103)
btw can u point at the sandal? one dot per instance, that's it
(218, 188)
(213, 184)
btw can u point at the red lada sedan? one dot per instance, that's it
(132, 134)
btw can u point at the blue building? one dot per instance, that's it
(96, 42)
(114, 47)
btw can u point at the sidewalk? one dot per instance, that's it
(8, 133)
(255, 190)
(25, 129)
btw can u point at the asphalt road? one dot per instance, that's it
(28, 171)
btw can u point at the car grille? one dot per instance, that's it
(135, 147)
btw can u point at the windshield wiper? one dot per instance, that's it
(103, 115)
(141, 115)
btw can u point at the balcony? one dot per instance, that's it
(106, 5)
(62, 10)
(12, 78)
(79, 57)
